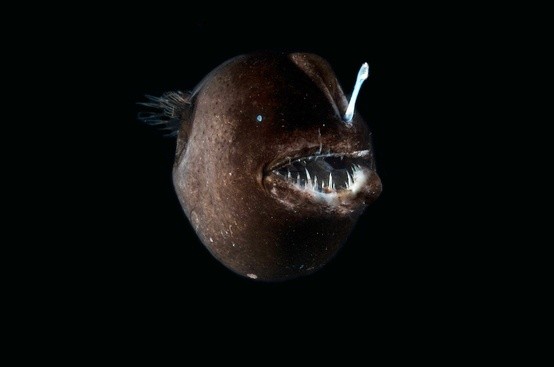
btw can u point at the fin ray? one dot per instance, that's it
(168, 111)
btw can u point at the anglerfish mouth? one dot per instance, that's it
(329, 178)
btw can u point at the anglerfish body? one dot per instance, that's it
(267, 170)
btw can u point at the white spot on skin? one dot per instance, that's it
(230, 173)
(252, 276)
(195, 220)
(211, 240)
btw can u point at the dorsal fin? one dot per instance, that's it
(168, 111)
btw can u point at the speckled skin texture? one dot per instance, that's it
(223, 152)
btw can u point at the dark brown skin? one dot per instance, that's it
(249, 220)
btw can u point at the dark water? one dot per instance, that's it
(139, 255)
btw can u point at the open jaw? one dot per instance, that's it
(328, 178)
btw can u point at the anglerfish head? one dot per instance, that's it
(272, 166)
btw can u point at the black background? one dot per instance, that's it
(122, 264)
(141, 256)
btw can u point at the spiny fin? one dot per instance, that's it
(167, 111)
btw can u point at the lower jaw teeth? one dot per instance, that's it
(328, 186)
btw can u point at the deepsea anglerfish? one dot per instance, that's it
(273, 166)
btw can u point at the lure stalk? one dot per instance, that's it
(362, 76)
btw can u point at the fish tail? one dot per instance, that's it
(166, 112)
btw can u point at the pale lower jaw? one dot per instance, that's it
(323, 193)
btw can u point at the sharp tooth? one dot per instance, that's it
(315, 184)
(308, 175)
(331, 181)
(288, 174)
(334, 187)
(349, 179)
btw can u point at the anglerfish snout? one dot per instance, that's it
(331, 182)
